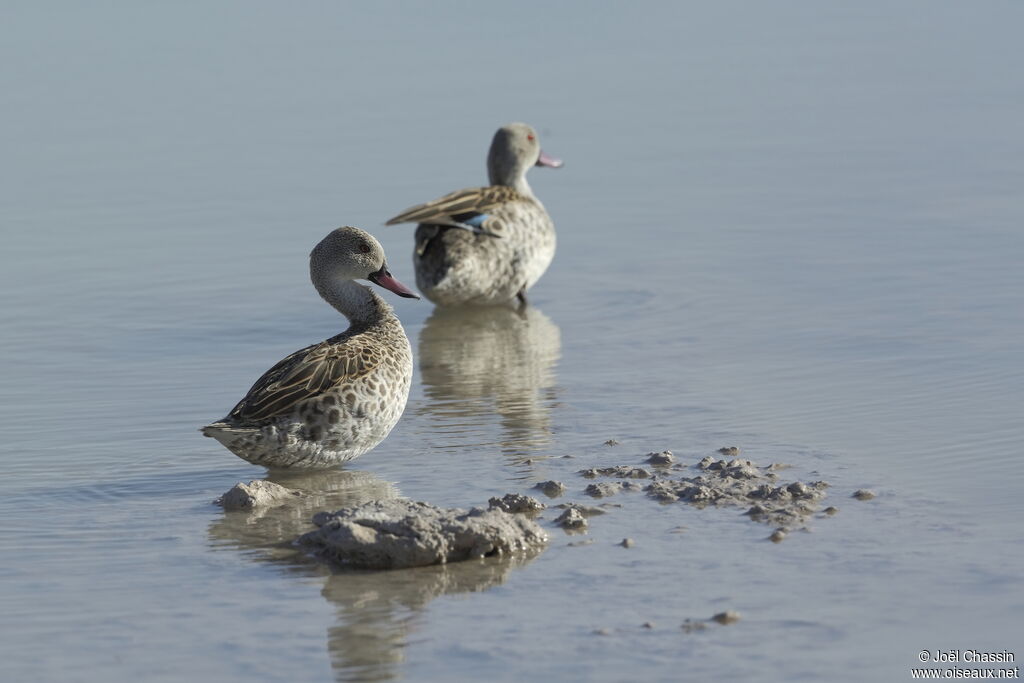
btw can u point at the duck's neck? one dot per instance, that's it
(361, 305)
(509, 176)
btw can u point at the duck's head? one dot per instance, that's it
(514, 150)
(352, 254)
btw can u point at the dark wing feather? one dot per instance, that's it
(301, 376)
(442, 211)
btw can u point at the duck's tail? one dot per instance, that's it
(222, 429)
(211, 430)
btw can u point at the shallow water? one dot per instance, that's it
(790, 228)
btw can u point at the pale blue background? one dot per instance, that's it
(790, 226)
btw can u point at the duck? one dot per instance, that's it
(330, 402)
(486, 245)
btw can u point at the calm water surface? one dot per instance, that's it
(794, 228)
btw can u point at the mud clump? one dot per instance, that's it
(864, 494)
(627, 543)
(742, 482)
(516, 503)
(690, 626)
(572, 520)
(551, 489)
(620, 471)
(608, 488)
(603, 490)
(256, 494)
(726, 618)
(395, 534)
(660, 459)
(585, 510)
(719, 482)
(698, 625)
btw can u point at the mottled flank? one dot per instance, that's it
(333, 401)
(486, 245)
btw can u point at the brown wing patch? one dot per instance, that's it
(301, 376)
(443, 210)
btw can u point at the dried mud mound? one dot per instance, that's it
(255, 495)
(395, 534)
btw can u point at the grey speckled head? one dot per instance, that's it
(514, 149)
(349, 253)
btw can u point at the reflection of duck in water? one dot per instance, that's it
(272, 530)
(377, 610)
(479, 362)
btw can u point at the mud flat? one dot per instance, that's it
(720, 482)
(396, 534)
(739, 482)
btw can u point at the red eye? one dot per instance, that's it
(529, 137)
(365, 248)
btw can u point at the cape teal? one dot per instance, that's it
(486, 245)
(333, 401)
